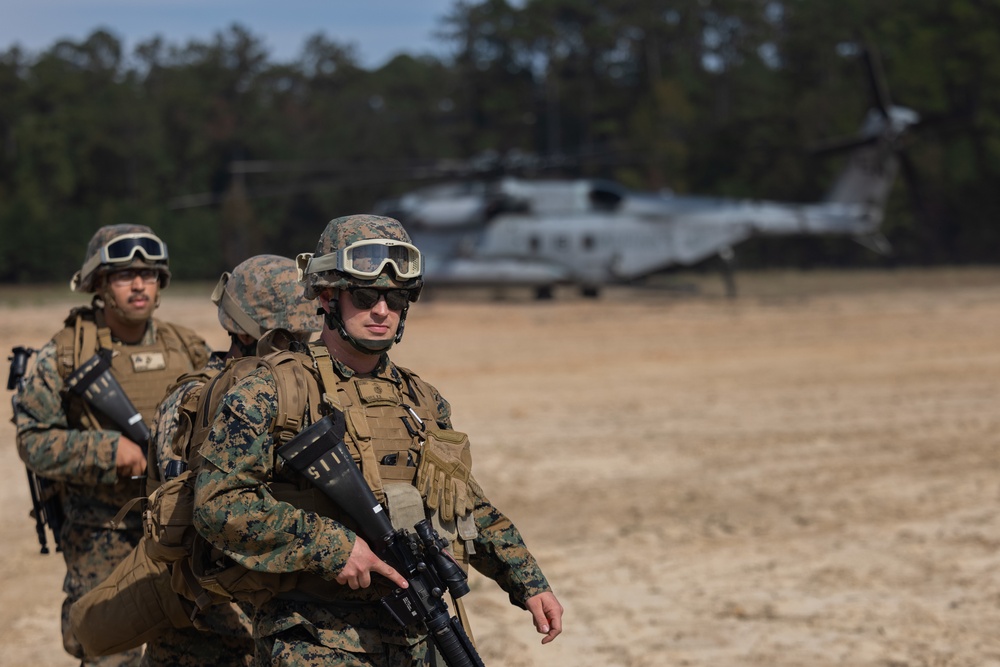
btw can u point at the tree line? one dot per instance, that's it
(715, 97)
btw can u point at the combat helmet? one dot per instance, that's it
(115, 247)
(362, 251)
(261, 294)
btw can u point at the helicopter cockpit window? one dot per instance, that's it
(605, 196)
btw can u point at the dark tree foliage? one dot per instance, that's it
(715, 97)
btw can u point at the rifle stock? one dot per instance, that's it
(94, 382)
(319, 453)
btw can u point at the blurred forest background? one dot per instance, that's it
(720, 97)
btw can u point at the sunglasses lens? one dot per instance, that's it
(367, 297)
(396, 299)
(364, 297)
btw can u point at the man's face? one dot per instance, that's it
(377, 323)
(134, 292)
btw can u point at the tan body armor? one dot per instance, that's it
(390, 426)
(143, 371)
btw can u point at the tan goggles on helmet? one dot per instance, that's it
(123, 248)
(367, 259)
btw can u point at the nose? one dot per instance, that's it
(381, 306)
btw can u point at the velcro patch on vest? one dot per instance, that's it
(374, 392)
(148, 361)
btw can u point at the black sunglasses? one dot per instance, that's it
(366, 297)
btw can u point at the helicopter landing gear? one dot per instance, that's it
(543, 292)
(728, 264)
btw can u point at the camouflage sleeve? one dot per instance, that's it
(165, 424)
(234, 508)
(443, 408)
(501, 553)
(45, 441)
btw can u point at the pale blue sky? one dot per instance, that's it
(379, 28)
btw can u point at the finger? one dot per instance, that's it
(389, 573)
(555, 628)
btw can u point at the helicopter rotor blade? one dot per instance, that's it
(876, 78)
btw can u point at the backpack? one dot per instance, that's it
(174, 573)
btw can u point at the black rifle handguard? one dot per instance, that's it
(320, 455)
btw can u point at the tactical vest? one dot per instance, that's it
(393, 436)
(144, 371)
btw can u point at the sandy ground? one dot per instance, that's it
(806, 475)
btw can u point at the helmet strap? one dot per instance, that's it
(246, 350)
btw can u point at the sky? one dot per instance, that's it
(378, 28)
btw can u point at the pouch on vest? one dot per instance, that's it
(132, 606)
(443, 472)
(168, 521)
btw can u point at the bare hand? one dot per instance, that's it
(357, 572)
(130, 460)
(546, 612)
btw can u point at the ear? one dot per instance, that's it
(326, 296)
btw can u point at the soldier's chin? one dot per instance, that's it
(135, 315)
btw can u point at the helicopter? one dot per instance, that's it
(591, 233)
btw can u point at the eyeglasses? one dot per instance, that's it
(367, 259)
(367, 297)
(122, 249)
(128, 276)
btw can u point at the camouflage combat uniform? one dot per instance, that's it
(236, 510)
(222, 636)
(55, 445)
(259, 298)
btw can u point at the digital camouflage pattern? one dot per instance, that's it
(104, 235)
(166, 421)
(342, 232)
(266, 289)
(222, 637)
(235, 510)
(83, 462)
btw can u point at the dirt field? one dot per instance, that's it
(807, 475)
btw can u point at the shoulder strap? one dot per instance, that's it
(298, 392)
(323, 363)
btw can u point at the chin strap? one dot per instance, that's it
(336, 323)
(245, 350)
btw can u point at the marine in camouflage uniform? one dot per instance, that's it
(61, 438)
(260, 295)
(365, 273)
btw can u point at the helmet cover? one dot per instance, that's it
(139, 243)
(340, 234)
(262, 293)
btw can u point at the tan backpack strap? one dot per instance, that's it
(126, 508)
(103, 332)
(324, 364)
(86, 336)
(294, 388)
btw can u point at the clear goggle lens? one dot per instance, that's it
(367, 259)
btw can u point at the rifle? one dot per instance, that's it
(46, 506)
(319, 453)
